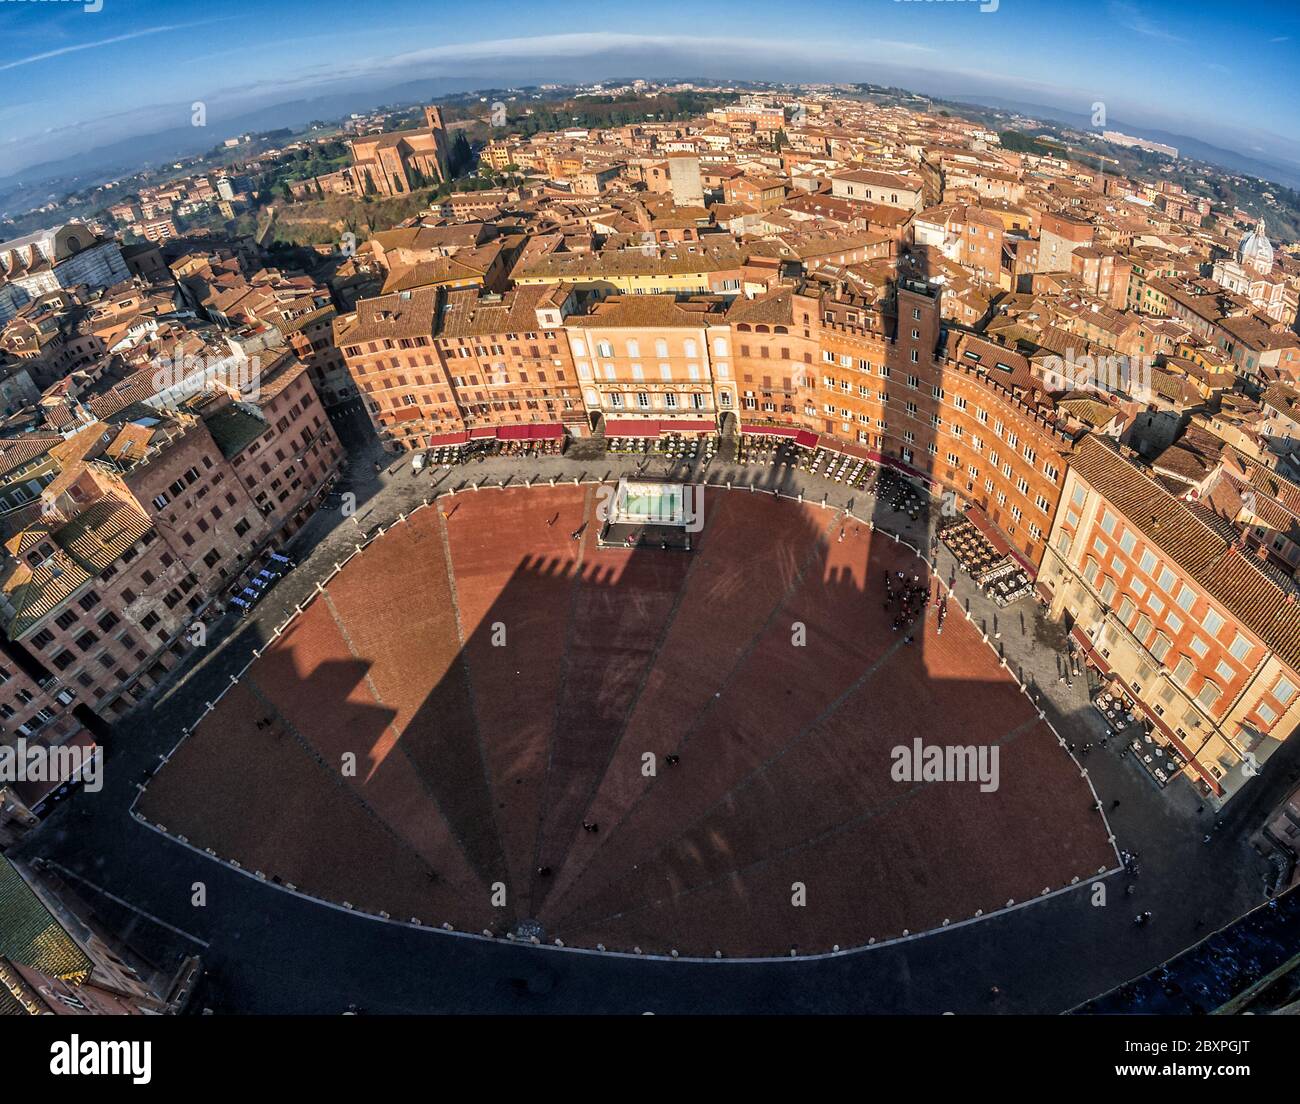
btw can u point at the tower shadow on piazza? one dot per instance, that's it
(639, 748)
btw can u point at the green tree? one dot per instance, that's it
(461, 158)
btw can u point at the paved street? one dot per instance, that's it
(272, 952)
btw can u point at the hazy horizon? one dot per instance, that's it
(1189, 69)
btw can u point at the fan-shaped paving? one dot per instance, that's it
(501, 685)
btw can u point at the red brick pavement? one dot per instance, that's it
(516, 542)
(258, 796)
(483, 761)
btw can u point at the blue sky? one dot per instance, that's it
(72, 78)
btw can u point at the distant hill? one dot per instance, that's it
(1281, 172)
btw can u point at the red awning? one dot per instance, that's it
(483, 433)
(448, 439)
(844, 448)
(1004, 546)
(545, 432)
(631, 429)
(687, 427)
(769, 431)
(807, 440)
(981, 522)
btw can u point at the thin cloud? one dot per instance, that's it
(33, 58)
(581, 44)
(1131, 19)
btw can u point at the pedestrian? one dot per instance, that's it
(1115, 804)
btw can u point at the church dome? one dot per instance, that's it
(1256, 251)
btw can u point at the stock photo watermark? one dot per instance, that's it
(32, 762)
(922, 762)
(88, 6)
(983, 5)
(1115, 375)
(241, 376)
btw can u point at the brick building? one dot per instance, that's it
(152, 515)
(433, 363)
(1202, 634)
(953, 412)
(397, 163)
(646, 357)
(775, 349)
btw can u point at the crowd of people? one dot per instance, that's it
(910, 598)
